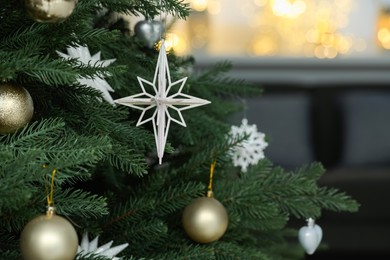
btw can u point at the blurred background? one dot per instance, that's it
(284, 28)
(324, 66)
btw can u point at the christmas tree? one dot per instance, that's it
(69, 144)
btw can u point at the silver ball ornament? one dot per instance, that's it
(49, 237)
(205, 220)
(50, 11)
(16, 107)
(149, 31)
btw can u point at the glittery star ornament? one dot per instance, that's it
(82, 54)
(161, 101)
(90, 248)
(251, 150)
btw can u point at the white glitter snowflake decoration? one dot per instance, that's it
(82, 54)
(251, 150)
(90, 248)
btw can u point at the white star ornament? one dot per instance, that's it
(161, 101)
(82, 54)
(90, 248)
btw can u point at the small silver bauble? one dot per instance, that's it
(149, 31)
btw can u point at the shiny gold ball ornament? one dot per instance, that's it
(50, 11)
(16, 107)
(49, 237)
(205, 220)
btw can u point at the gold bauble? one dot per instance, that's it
(205, 220)
(49, 237)
(50, 11)
(16, 107)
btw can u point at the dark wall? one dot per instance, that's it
(340, 126)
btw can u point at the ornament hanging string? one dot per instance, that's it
(210, 187)
(50, 200)
(50, 193)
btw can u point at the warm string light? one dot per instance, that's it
(276, 28)
(199, 5)
(383, 28)
(303, 28)
(173, 40)
(192, 34)
(288, 8)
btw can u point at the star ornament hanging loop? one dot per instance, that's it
(160, 101)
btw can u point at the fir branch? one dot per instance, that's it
(38, 132)
(95, 70)
(24, 39)
(12, 13)
(124, 213)
(176, 197)
(230, 251)
(148, 8)
(75, 150)
(50, 72)
(96, 37)
(10, 255)
(127, 160)
(335, 200)
(16, 176)
(104, 120)
(62, 149)
(141, 231)
(80, 203)
(185, 252)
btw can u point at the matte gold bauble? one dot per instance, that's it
(49, 237)
(50, 11)
(16, 107)
(205, 220)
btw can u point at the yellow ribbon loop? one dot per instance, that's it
(210, 187)
(50, 201)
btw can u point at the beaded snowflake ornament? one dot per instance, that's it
(249, 151)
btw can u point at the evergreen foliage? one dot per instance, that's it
(108, 180)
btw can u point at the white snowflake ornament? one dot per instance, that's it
(82, 54)
(251, 150)
(161, 101)
(90, 248)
